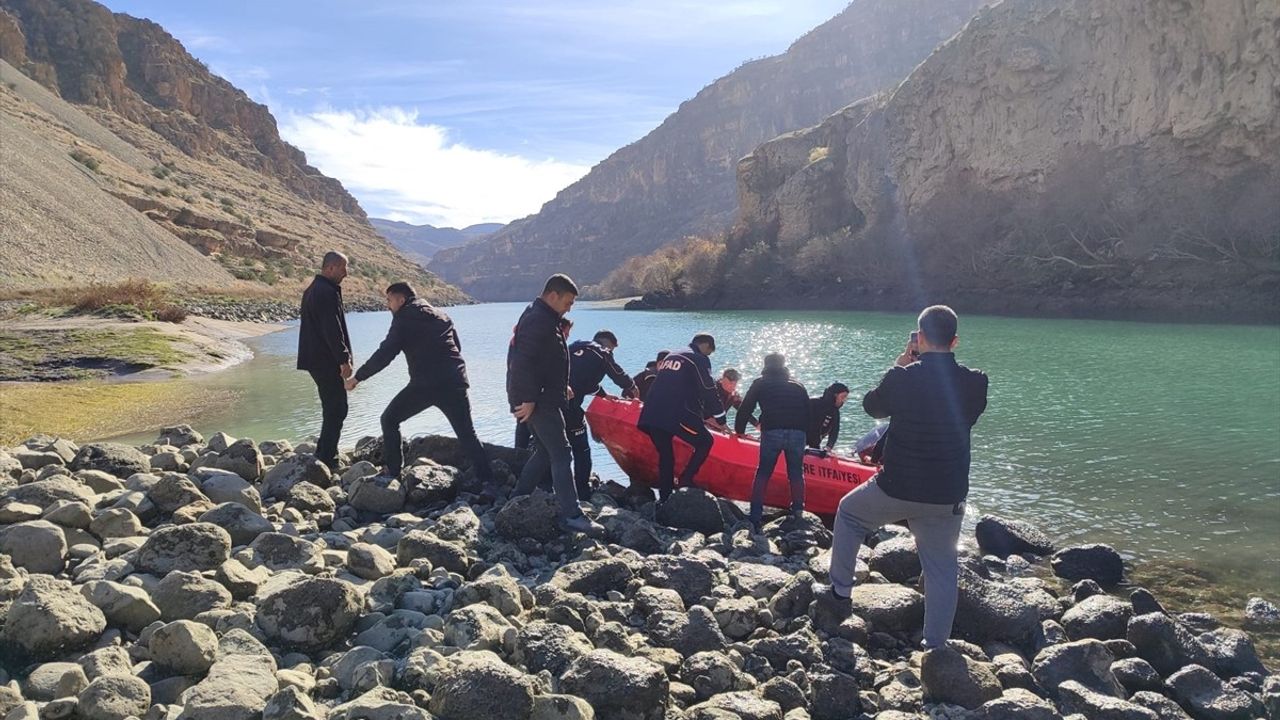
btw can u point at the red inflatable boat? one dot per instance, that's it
(730, 469)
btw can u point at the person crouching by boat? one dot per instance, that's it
(524, 436)
(932, 404)
(437, 378)
(589, 362)
(727, 389)
(784, 420)
(538, 389)
(682, 401)
(644, 379)
(824, 417)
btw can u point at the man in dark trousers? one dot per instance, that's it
(644, 379)
(824, 417)
(324, 350)
(538, 391)
(784, 419)
(524, 436)
(681, 402)
(437, 377)
(589, 362)
(932, 404)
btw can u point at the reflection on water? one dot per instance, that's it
(1161, 439)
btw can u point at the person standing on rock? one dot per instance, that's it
(932, 403)
(324, 350)
(437, 378)
(824, 417)
(589, 362)
(538, 391)
(681, 402)
(784, 418)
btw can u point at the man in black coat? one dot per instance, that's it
(824, 416)
(437, 377)
(589, 362)
(784, 419)
(538, 391)
(324, 350)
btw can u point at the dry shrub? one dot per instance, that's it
(136, 293)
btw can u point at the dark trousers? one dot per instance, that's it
(455, 405)
(550, 451)
(575, 426)
(699, 438)
(789, 444)
(524, 436)
(333, 411)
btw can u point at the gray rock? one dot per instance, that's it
(380, 703)
(496, 588)
(1205, 696)
(277, 551)
(291, 704)
(477, 627)
(114, 697)
(194, 547)
(691, 509)
(242, 458)
(1003, 537)
(835, 695)
(549, 646)
(243, 582)
(422, 544)
(111, 660)
(736, 617)
(1085, 661)
(38, 545)
(531, 516)
(184, 647)
(593, 577)
(888, 608)
(1076, 698)
(988, 611)
(561, 707)
(370, 561)
(737, 705)
(793, 598)
(1163, 707)
(757, 580)
(479, 685)
(49, 617)
(1097, 562)
(306, 497)
(179, 436)
(371, 496)
(1101, 616)
(618, 687)
(69, 514)
(1017, 704)
(430, 483)
(709, 673)
(294, 469)
(44, 494)
(800, 646)
(1261, 613)
(691, 577)
(1232, 652)
(222, 486)
(1164, 643)
(1136, 674)
(184, 595)
(241, 523)
(113, 458)
(124, 606)
(689, 633)
(308, 613)
(174, 491)
(949, 677)
(1144, 602)
(237, 686)
(896, 559)
(115, 523)
(50, 681)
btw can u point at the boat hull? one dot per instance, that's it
(730, 468)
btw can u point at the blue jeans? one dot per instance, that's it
(790, 443)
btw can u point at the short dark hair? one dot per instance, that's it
(606, 336)
(938, 323)
(564, 323)
(775, 360)
(835, 389)
(662, 355)
(731, 374)
(403, 289)
(704, 337)
(560, 283)
(333, 257)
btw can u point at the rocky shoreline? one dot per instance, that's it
(225, 579)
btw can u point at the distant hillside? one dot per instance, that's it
(130, 125)
(679, 179)
(420, 242)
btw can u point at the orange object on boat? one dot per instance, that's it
(730, 469)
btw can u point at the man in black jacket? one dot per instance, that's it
(681, 402)
(932, 404)
(784, 418)
(824, 416)
(589, 363)
(437, 377)
(538, 389)
(324, 350)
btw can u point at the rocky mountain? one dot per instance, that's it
(679, 179)
(1081, 157)
(421, 242)
(129, 119)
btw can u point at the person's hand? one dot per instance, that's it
(345, 370)
(523, 411)
(631, 393)
(568, 393)
(351, 384)
(905, 359)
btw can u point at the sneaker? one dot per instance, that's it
(583, 524)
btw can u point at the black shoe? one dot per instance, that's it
(583, 524)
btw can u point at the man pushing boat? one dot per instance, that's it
(680, 404)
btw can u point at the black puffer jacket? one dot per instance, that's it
(430, 345)
(784, 403)
(538, 358)
(323, 342)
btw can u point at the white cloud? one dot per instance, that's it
(401, 168)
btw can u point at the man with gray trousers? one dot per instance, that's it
(932, 403)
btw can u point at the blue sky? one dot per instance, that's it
(453, 113)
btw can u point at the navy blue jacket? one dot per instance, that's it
(683, 393)
(784, 403)
(323, 342)
(430, 344)
(932, 405)
(538, 359)
(824, 421)
(589, 362)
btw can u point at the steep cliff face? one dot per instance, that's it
(1081, 156)
(679, 179)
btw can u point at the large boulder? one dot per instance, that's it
(477, 627)
(278, 551)
(896, 559)
(1017, 704)
(184, 647)
(44, 494)
(222, 486)
(241, 523)
(179, 436)
(242, 457)
(238, 685)
(184, 595)
(113, 458)
(1003, 537)
(194, 547)
(1103, 617)
(1232, 651)
(1165, 643)
(947, 676)
(370, 495)
(380, 703)
(308, 613)
(1085, 661)
(988, 611)
(1095, 562)
(550, 646)
(422, 544)
(292, 470)
(430, 483)
(1205, 696)
(618, 687)
(689, 576)
(124, 606)
(308, 498)
(529, 516)
(114, 697)
(737, 705)
(691, 509)
(1076, 698)
(38, 545)
(888, 608)
(593, 577)
(479, 685)
(1162, 706)
(173, 491)
(49, 617)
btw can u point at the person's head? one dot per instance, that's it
(662, 355)
(334, 266)
(566, 326)
(560, 292)
(398, 294)
(606, 339)
(704, 343)
(729, 379)
(774, 362)
(937, 328)
(837, 393)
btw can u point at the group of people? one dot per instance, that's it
(930, 400)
